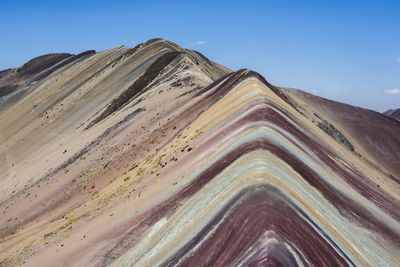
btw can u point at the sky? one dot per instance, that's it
(348, 51)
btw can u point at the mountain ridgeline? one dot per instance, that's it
(158, 156)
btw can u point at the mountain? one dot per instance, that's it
(155, 155)
(394, 113)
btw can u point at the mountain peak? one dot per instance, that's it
(393, 113)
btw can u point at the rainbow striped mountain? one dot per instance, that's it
(157, 156)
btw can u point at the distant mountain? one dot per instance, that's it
(158, 156)
(394, 113)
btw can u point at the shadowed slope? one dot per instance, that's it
(142, 82)
(394, 113)
(371, 135)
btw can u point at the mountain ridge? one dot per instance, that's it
(155, 155)
(394, 113)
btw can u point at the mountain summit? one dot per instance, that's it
(158, 156)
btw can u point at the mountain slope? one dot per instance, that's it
(394, 113)
(367, 133)
(157, 156)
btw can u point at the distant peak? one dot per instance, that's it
(393, 113)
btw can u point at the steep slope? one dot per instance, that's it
(15, 82)
(51, 151)
(156, 156)
(370, 135)
(394, 113)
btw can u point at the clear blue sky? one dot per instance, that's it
(344, 50)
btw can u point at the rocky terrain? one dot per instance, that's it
(157, 156)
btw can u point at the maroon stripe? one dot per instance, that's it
(243, 223)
